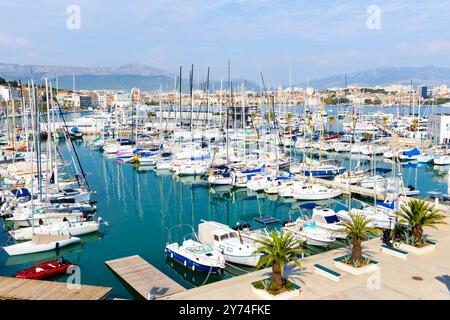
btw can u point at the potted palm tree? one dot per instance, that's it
(277, 249)
(417, 215)
(357, 229)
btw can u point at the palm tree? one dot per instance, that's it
(419, 214)
(288, 120)
(357, 229)
(278, 249)
(414, 125)
(385, 120)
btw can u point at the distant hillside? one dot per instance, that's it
(431, 76)
(122, 77)
(148, 78)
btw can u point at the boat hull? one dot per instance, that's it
(188, 263)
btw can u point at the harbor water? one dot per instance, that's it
(142, 205)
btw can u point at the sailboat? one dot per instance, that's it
(38, 242)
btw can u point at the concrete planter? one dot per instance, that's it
(282, 296)
(395, 252)
(406, 247)
(371, 267)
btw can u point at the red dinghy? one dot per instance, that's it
(45, 269)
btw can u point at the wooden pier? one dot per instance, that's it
(144, 278)
(25, 289)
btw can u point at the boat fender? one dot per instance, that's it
(185, 263)
(193, 267)
(57, 246)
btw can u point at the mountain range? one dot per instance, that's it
(150, 78)
(430, 76)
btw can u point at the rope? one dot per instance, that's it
(231, 265)
(207, 277)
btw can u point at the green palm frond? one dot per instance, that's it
(278, 248)
(418, 213)
(357, 227)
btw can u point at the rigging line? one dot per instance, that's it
(71, 142)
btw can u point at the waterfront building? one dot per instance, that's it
(4, 93)
(89, 101)
(122, 99)
(422, 92)
(439, 128)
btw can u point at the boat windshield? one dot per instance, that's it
(332, 219)
(200, 249)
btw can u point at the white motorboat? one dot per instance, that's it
(315, 192)
(78, 228)
(196, 256)
(442, 160)
(380, 217)
(326, 218)
(351, 177)
(309, 232)
(234, 247)
(25, 218)
(40, 243)
(372, 181)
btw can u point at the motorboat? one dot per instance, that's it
(442, 160)
(308, 232)
(196, 256)
(326, 218)
(40, 243)
(229, 242)
(379, 216)
(315, 192)
(77, 228)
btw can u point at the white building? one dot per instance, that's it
(439, 129)
(103, 101)
(4, 94)
(122, 99)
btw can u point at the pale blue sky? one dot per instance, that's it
(313, 38)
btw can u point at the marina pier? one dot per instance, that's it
(142, 277)
(25, 289)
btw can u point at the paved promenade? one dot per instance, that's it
(394, 281)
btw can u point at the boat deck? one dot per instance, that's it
(25, 289)
(144, 278)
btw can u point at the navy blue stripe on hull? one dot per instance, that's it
(189, 263)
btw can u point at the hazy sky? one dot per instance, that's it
(312, 38)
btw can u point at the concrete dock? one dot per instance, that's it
(25, 289)
(144, 278)
(419, 277)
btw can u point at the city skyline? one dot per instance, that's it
(306, 40)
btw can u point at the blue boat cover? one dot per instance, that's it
(21, 193)
(387, 205)
(383, 170)
(413, 152)
(254, 170)
(74, 130)
(309, 206)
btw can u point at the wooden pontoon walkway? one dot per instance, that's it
(25, 289)
(144, 278)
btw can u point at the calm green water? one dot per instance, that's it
(142, 205)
